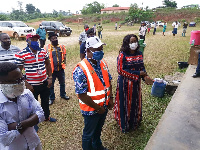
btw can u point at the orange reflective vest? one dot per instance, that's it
(96, 90)
(50, 48)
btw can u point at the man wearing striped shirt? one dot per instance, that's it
(37, 67)
(7, 51)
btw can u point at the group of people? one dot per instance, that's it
(32, 71)
(146, 28)
(24, 75)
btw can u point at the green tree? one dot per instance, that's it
(136, 14)
(170, 3)
(92, 8)
(116, 5)
(30, 9)
(3, 17)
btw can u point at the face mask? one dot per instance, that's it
(6, 43)
(35, 45)
(12, 90)
(97, 55)
(133, 46)
(55, 43)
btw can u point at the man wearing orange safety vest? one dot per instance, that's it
(57, 56)
(93, 87)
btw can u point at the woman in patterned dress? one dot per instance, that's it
(128, 100)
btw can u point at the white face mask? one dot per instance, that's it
(12, 90)
(133, 46)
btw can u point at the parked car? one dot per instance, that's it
(192, 24)
(152, 24)
(160, 24)
(16, 29)
(179, 24)
(145, 22)
(57, 27)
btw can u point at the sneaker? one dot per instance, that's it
(195, 75)
(51, 102)
(65, 97)
(50, 119)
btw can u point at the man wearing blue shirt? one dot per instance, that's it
(93, 87)
(42, 33)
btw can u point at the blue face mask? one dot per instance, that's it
(97, 55)
(34, 45)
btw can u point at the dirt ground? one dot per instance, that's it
(58, 108)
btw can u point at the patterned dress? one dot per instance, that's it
(128, 100)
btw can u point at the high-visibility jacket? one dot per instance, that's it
(49, 47)
(96, 90)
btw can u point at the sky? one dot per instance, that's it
(76, 5)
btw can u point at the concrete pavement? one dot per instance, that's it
(179, 127)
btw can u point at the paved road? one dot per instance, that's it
(179, 127)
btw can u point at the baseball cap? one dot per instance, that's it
(94, 42)
(30, 35)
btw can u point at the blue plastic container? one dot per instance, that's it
(158, 89)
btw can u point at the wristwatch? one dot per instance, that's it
(18, 126)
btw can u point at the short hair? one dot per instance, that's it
(91, 30)
(2, 35)
(125, 45)
(6, 67)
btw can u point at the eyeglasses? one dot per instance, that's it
(17, 81)
(23, 78)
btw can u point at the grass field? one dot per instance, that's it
(160, 58)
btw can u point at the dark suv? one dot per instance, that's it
(57, 27)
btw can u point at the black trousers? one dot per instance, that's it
(44, 93)
(42, 43)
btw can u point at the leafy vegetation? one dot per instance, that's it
(170, 3)
(92, 8)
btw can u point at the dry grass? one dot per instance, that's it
(160, 57)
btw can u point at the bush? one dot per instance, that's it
(197, 19)
(105, 21)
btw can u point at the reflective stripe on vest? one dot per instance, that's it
(98, 92)
(48, 49)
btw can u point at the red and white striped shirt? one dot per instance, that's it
(34, 65)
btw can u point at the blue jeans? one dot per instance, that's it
(99, 34)
(154, 31)
(92, 131)
(198, 66)
(61, 78)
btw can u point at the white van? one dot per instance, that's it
(16, 29)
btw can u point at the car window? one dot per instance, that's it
(19, 24)
(5, 24)
(46, 23)
(58, 24)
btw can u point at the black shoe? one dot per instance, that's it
(195, 75)
(65, 97)
(51, 102)
(50, 119)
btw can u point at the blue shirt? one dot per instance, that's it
(42, 33)
(80, 81)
